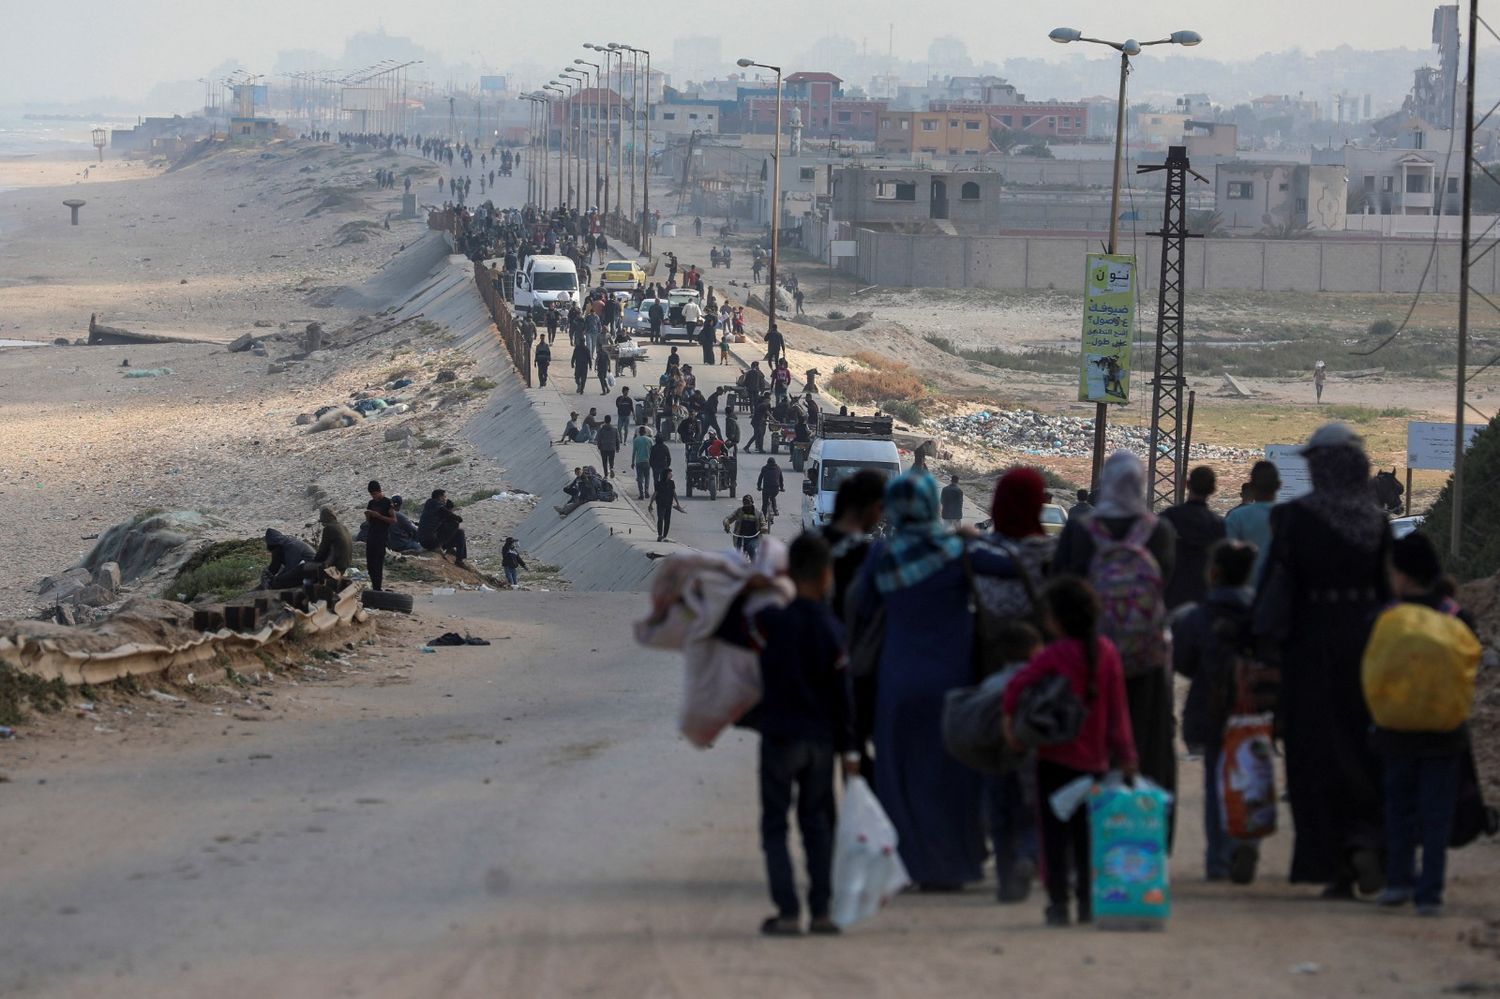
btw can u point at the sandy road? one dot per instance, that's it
(351, 845)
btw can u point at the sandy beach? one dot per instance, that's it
(87, 447)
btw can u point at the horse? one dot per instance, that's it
(1388, 490)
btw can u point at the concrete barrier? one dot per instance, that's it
(601, 546)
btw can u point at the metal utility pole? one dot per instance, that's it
(646, 168)
(1455, 541)
(1129, 47)
(1168, 459)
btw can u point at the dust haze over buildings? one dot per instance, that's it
(1251, 51)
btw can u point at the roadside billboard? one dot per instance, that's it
(493, 84)
(1430, 445)
(1108, 324)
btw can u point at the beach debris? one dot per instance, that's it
(303, 419)
(114, 336)
(394, 434)
(1305, 968)
(332, 417)
(74, 204)
(242, 343)
(141, 544)
(1028, 432)
(147, 372)
(446, 375)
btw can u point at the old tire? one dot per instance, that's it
(386, 600)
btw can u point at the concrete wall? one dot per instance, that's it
(602, 546)
(1041, 262)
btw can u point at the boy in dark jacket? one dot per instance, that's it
(804, 718)
(1422, 768)
(1208, 639)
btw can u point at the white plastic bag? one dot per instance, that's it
(867, 870)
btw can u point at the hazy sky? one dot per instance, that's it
(87, 48)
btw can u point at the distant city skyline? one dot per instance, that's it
(89, 50)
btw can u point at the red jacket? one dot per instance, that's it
(1105, 737)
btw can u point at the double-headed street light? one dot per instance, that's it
(611, 176)
(775, 185)
(1129, 47)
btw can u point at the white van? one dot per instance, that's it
(843, 446)
(545, 280)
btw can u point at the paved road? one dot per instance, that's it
(701, 526)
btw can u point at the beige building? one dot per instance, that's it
(933, 133)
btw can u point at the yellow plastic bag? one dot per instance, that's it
(1418, 670)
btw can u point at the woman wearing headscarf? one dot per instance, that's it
(918, 579)
(1321, 587)
(1121, 513)
(1010, 799)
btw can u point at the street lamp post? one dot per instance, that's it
(775, 186)
(564, 188)
(576, 126)
(100, 137)
(557, 87)
(531, 110)
(611, 196)
(1129, 47)
(635, 106)
(595, 180)
(635, 114)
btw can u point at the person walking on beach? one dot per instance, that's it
(379, 516)
(1320, 375)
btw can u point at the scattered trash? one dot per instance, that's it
(426, 649)
(7, 733)
(147, 372)
(514, 496)
(443, 591)
(1029, 432)
(454, 638)
(164, 698)
(1306, 968)
(399, 383)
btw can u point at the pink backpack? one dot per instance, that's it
(1128, 581)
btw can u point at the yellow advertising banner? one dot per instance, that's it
(1108, 325)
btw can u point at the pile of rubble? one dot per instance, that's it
(1025, 431)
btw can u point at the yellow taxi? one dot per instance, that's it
(623, 275)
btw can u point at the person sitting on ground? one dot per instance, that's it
(287, 557)
(586, 488)
(573, 433)
(403, 533)
(335, 547)
(439, 530)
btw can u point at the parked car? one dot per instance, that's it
(1402, 526)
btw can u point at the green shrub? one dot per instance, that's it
(905, 410)
(219, 570)
(18, 689)
(1479, 551)
(941, 343)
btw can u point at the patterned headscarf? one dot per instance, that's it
(1122, 487)
(921, 545)
(1017, 507)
